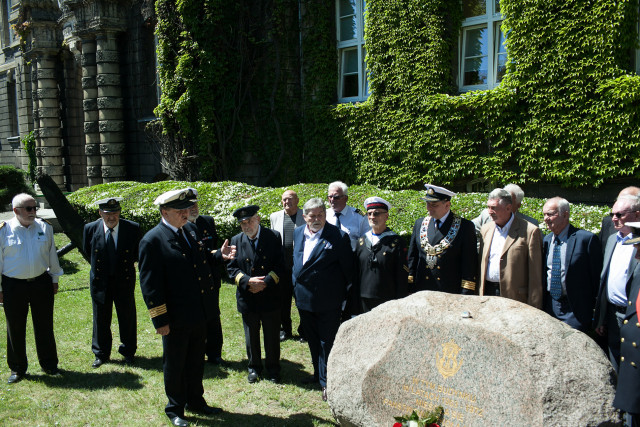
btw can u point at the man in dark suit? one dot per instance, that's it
(572, 260)
(443, 248)
(207, 228)
(628, 389)
(257, 270)
(322, 268)
(284, 222)
(111, 243)
(178, 289)
(617, 267)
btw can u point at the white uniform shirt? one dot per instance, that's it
(619, 271)
(27, 252)
(351, 222)
(310, 241)
(114, 233)
(495, 252)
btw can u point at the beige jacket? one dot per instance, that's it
(520, 263)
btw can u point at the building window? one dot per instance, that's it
(353, 85)
(483, 54)
(12, 98)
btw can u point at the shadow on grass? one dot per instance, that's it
(90, 380)
(256, 420)
(69, 267)
(290, 372)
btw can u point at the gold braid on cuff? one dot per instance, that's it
(275, 277)
(467, 284)
(238, 277)
(158, 311)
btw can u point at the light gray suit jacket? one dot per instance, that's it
(277, 219)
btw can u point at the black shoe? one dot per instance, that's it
(55, 372)
(274, 378)
(284, 335)
(216, 361)
(129, 360)
(253, 376)
(181, 422)
(324, 394)
(311, 379)
(15, 378)
(98, 362)
(204, 409)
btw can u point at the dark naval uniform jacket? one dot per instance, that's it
(209, 237)
(267, 261)
(381, 269)
(177, 285)
(451, 268)
(95, 247)
(320, 284)
(628, 390)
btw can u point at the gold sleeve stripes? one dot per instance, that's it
(275, 277)
(410, 279)
(238, 277)
(467, 284)
(406, 268)
(158, 311)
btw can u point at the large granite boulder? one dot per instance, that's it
(486, 360)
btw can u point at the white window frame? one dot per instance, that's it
(492, 21)
(357, 44)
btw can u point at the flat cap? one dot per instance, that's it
(435, 193)
(176, 199)
(246, 212)
(110, 204)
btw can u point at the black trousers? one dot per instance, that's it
(214, 332)
(286, 295)
(19, 295)
(614, 321)
(183, 366)
(124, 301)
(271, 332)
(320, 330)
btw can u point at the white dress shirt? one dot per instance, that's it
(351, 222)
(27, 252)
(495, 252)
(311, 239)
(114, 233)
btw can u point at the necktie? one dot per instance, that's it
(183, 240)
(438, 224)
(338, 224)
(111, 251)
(556, 266)
(253, 244)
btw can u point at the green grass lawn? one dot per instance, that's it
(115, 394)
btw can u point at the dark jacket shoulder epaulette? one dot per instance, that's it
(359, 211)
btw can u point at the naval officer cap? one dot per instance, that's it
(176, 199)
(377, 203)
(246, 212)
(436, 194)
(110, 204)
(635, 231)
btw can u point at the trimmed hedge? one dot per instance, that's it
(13, 182)
(220, 199)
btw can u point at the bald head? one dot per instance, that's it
(629, 191)
(290, 202)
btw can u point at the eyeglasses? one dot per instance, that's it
(619, 214)
(330, 197)
(28, 208)
(375, 213)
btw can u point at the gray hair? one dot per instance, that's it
(19, 199)
(339, 184)
(313, 204)
(635, 201)
(516, 190)
(562, 204)
(502, 195)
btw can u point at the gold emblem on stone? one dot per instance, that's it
(447, 363)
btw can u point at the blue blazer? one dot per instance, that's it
(94, 246)
(320, 285)
(583, 263)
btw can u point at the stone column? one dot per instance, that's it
(111, 125)
(47, 118)
(90, 107)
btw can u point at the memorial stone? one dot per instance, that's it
(485, 360)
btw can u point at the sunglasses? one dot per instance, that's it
(29, 208)
(619, 214)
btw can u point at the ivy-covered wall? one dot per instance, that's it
(260, 77)
(566, 112)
